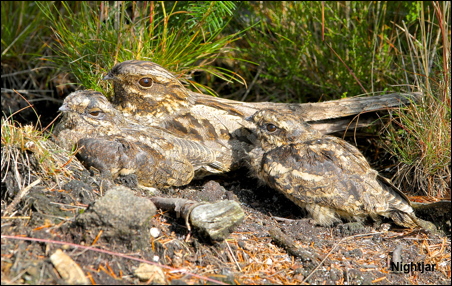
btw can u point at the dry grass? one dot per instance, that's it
(29, 154)
(420, 135)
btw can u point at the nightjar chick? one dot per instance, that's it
(120, 146)
(324, 174)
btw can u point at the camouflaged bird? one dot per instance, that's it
(324, 174)
(152, 95)
(120, 146)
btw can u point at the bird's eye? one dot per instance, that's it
(146, 82)
(95, 112)
(271, 127)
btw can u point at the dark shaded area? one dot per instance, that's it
(22, 88)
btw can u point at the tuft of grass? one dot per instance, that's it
(27, 153)
(22, 28)
(420, 134)
(183, 37)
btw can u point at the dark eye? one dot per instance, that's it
(271, 128)
(95, 112)
(145, 82)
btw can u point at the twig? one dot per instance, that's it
(29, 91)
(289, 245)
(50, 124)
(20, 195)
(336, 245)
(252, 83)
(233, 256)
(214, 220)
(22, 72)
(277, 218)
(68, 205)
(16, 217)
(349, 69)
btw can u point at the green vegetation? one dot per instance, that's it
(311, 51)
(284, 51)
(181, 40)
(24, 32)
(420, 135)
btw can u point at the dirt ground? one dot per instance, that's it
(275, 243)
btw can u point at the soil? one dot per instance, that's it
(274, 244)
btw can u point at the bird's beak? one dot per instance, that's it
(63, 108)
(108, 77)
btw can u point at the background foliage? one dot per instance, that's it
(252, 51)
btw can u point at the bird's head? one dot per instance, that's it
(144, 84)
(275, 129)
(92, 107)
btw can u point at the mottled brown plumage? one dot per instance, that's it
(147, 89)
(86, 113)
(117, 145)
(150, 94)
(324, 174)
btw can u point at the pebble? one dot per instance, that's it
(151, 273)
(155, 232)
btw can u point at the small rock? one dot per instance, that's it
(355, 253)
(213, 186)
(122, 216)
(335, 274)
(245, 245)
(69, 270)
(151, 273)
(155, 232)
(212, 191)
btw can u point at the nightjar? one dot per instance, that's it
(147, 89)
(150, 94)
(117, 145)
(324, 174)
